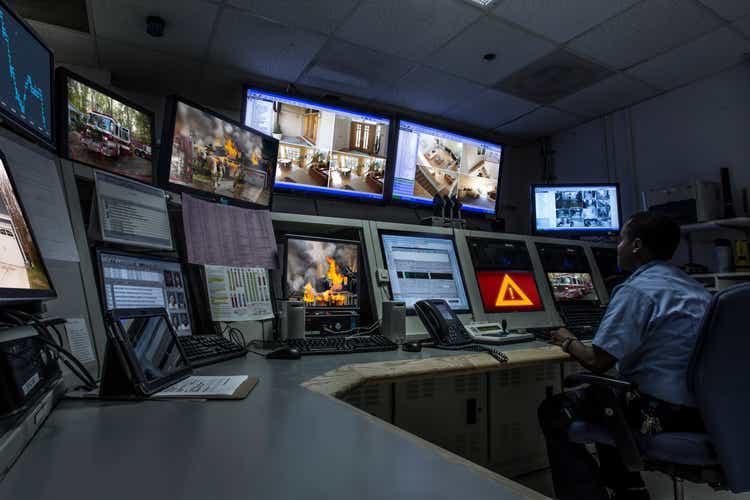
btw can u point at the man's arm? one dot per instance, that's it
(592, 358)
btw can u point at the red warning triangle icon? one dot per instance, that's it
(511, 294)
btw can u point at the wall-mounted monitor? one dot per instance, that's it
(206, 153)
(104, 130)
(578, 209)
(431, 161)
(323, 149)
(26, 68)
(24, 277)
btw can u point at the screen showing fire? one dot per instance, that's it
(572, 286)
(323, 273)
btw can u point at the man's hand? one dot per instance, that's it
(557, 337)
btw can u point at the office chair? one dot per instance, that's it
(717, 378)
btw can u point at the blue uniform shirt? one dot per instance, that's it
(651, 326)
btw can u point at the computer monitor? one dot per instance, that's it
(606, 262)
(424, 266)
(323, 149)
(431, 161)
(206, 153)
(104, 130)
(323, 273)
(130, 281)
(26, 82)
(568, 272)
(505, 275)
(24, 277)
(578, 209)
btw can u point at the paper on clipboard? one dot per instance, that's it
(197, 386)
(238, 293)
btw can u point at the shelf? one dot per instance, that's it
(739, 223)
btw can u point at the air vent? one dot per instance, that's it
(553, 77)
(69, 14)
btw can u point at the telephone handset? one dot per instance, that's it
(442, 323)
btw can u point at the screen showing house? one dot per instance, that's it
(322, 148)
(576, 208)
(431, 161)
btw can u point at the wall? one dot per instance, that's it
(341, 132)
(291, 120)
(325, 130)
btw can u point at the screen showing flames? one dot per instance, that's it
(323, 274)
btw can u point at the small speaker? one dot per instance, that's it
(394, 321)
(726, 193)
(291, 320)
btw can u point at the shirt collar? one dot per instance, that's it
(645, 267)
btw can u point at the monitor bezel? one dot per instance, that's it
(14, 123)
(428, 203)
(451, 237)
(165, 155)
(575, 232)
(347, 108)
(61, 76)
(360, 263)
(9, 296)
(120, 253)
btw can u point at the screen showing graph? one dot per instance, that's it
(25, 77)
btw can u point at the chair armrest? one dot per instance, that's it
(599, 380)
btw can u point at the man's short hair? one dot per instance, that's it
(659, 234)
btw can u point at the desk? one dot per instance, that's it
(284, 441)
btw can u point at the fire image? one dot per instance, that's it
(322, 273)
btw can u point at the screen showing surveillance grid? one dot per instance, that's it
(431, 161)
(216, 156)
(578, 208)
(322, 148)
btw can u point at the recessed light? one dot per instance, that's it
(490, 56)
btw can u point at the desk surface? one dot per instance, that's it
(282, 442)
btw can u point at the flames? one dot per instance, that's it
(328, 297)
(232, 152)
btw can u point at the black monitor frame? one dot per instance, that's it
(437, 236)
(11, 296)
(167, 144)
(14, 123)
(573, 233)
(578, 270)
(389, 160)
(61, 77)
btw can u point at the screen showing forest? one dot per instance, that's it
(105, 133)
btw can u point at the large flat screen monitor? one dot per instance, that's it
(568, 272)
(206, 153)
(323, 149)
(431, 161)
(505, 275)
(323, 273)
(424, 266)
(23, 277)
(131, 281)
(26, 68)
(576, 209)
(104, 130)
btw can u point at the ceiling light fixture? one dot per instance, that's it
(155, 26)
(489, 56)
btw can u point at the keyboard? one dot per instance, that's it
(582, 319)
(342, 345)
(205, 350)
(544, 333)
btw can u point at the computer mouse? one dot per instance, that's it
(284, 353)
(411, 347)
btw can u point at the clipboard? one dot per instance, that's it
(182, 389)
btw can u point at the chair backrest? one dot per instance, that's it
(718, 377)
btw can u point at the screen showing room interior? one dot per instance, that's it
(142, 283)
(106, 133)
(154, 346)
(424, 268)
(322, 148)
(323, 274)
(431, 161)
(20, 261)
(216, 156)
(26, 69)
(576, 208)
(568, 287)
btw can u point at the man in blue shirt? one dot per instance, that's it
(648, 333)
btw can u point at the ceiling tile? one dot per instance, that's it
(707, 55)
(353, 70)
(408, 28)
(490, 108)
(744, 26)
(513, 47)
(560, 20)
(645, 31)
(542, 121)
(70, 46)
(187, 24)
(429, 91)
(608, 95)
(263, 47)
(314, 15)
(729, 9)
(221, 88)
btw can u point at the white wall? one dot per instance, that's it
(341, 132)
(325, 130)
(291, 120)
